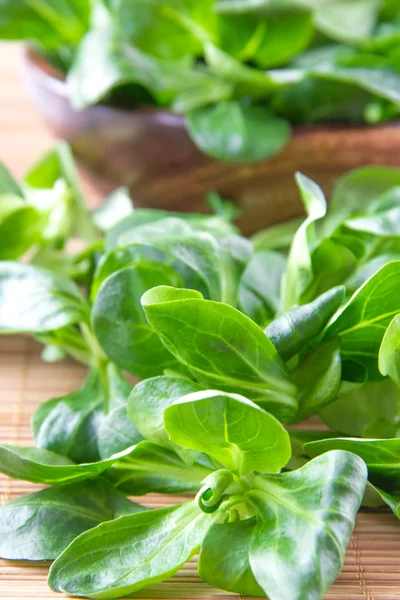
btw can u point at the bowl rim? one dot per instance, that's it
(52, 78)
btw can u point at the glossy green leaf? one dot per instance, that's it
(214, 224)
(116, 433)
(347, 21)
(246, 79)
(368, 269)
(229, 570)
(390, 498)
(218, 263)
(362, 322)
(342, 20)
(357, 409)
(332, 263)
(298, 437)
(285, 36)
(43, 466)
(41, 525)
(55, 177)
(153, 468)
(116, 207)
(50, 24)
(221, 347)
(21, 226)
(383, 83)
(356, 190)
(383, 224)
(304, 522)
(68, 425)
(155, 544)
(75, 425)
(259, 292)
(382, 457)
(165, 29)
(233, 132)
(146, 405)
(8, 185)
(120, 324)
(226, 427)
(298, 274)
(389, 352)
(49, 301)
(298, 327)
(276, 237)
(118, 63)
(317, 378)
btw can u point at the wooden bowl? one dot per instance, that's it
(149, 151)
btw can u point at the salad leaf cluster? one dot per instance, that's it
(235, 341)
(240, 72)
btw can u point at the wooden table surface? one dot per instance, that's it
(372, 568)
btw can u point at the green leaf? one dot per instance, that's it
(76, 425)
(226, 427)
(356, 190)
(41, 525)
(44, 466)
(68, 339)
(119, 63)
(383, 224)
(304, 522)
(116, 433)
(229, 570)
(247, 80)
(362, 322)
(368, 269)
(55, 178)
(233, 132)
(49, 301)
(332, 263)
(286, 35)
(164, 28)
(383, 83)
(293, 330)
(155, 544)
(276, 237)
(357, 409)
(382, 457)
(21, 226)
(8, 185)
(222, 348)
(350, 21)
(214, 224)
(347, 21)
(389, 352)
(313, 98)
(116, 207)
(153, 468)
(299, 271)
(216, 263)
(298, 437)
(317, 378)
(259, 291)
(391, 498)
(49, 23)
(120, 324)
(146, 405)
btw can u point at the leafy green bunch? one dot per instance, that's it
(235, 341)
(240, 72)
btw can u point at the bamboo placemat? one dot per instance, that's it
(372, 567)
